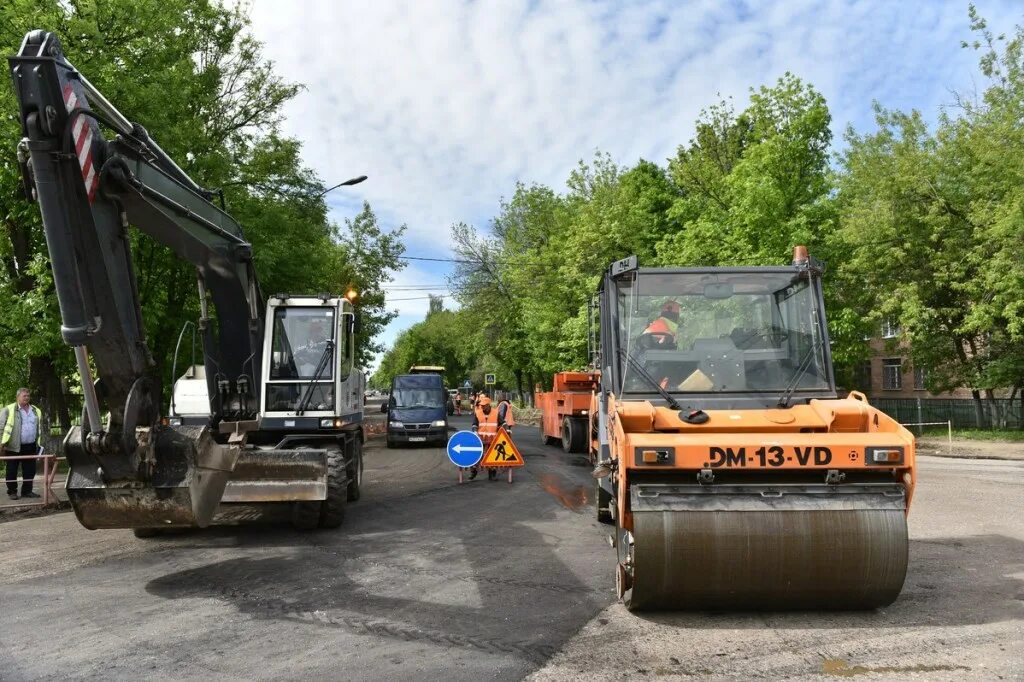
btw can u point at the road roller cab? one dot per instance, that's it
(734, 474)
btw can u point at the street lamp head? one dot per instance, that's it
(351, 181)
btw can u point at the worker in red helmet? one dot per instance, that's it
(662, 331)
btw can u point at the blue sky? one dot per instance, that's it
(445, 105)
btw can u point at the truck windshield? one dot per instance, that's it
(300, 340)
(721, 332)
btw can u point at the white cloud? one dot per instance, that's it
(446, 104)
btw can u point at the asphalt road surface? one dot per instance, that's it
(428, 579)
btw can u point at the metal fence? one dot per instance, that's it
(1000, 413)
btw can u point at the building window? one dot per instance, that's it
(890, 329)
(892, 374)
(920, 376)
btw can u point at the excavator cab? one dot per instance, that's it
(734, 474)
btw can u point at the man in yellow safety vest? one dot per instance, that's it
(21, 424)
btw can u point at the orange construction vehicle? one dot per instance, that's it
(734, 474)
(565, 409)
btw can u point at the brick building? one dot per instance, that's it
(889, 373)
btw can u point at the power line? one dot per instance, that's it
(416, 298)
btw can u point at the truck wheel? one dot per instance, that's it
(332, 509)
(355, 469)
(545, 438)
(573, 435)
(389, 444)
(604, 502)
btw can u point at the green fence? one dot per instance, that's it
(1000, 413)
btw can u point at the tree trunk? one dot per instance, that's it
(519, 383)
(979, 409)
(996, 419)
(45, 382)
(529, 389)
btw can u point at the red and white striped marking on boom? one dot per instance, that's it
(81, 134)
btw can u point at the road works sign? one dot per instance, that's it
(502, 452)
(489, 380)
(465, 448)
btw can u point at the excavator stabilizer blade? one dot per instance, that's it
(272, 475)
(759, 547)
(178, 484)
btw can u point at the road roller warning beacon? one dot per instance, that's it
(734, 474)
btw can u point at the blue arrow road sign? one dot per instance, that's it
(465, 448)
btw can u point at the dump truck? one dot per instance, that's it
(733, 473)
(271, 420)
(565, 410)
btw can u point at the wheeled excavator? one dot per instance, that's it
(281, 430)
(733, 473)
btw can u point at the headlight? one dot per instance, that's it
(438, 422)
(396, 425)
(174, 421)
(583, 413)
(330, 422)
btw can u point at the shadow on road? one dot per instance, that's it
(482, 567)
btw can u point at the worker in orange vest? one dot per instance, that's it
(486, 422)
(662, 332)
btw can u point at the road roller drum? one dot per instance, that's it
(754, 547)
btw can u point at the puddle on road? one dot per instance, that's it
(571, 497)
(840, 668)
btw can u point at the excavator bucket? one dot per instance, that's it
(765, 547)
(179, 481)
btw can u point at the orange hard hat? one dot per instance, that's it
(484, 400)
(670, 306)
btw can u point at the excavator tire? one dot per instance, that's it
(573, 434)
(332, 509)
(777, 560)
(355, 468)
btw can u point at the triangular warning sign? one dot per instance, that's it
(502, 452)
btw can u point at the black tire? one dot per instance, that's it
(146, 532)
(603, 500)
(306, 515)
(355, 469)
(389, 444)
(332, 509)
(573, 435)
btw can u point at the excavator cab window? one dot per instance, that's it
(300, 341)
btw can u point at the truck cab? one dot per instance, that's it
(417, 410)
